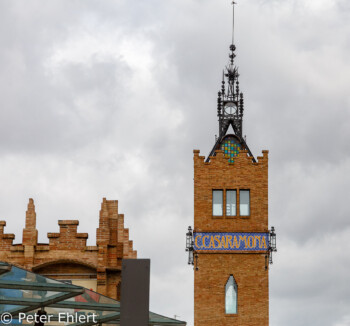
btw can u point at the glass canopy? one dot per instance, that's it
(26, 296)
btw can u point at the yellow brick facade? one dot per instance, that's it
(248, 268)
(66, 255)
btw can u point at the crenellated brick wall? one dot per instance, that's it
(66, 255)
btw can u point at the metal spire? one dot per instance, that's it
(233, 20)
(230, 102)
(232, 46)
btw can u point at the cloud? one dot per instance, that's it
(108, 99)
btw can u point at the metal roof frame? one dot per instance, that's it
(22, 291)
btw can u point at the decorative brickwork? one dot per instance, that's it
(247, 268)
(67, 256)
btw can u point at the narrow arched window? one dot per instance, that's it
(231, 296)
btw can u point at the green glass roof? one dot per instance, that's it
(23, 294)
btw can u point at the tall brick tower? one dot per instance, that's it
(231, 245)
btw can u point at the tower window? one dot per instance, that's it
(231, 202)
(231, 296)
(244, 202)
(217, 202)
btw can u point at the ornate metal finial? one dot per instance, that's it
(223, 83)
(232, 46)
(230, 105)
(219, 104)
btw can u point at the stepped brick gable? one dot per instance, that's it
(66, 255)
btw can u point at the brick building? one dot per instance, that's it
(67, 257)
(231, 241)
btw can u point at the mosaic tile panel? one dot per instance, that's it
(231, 148)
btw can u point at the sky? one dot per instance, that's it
(109, 99)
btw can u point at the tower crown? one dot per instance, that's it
(230, 100)
(230, 108)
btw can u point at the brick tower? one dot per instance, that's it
(231, 245)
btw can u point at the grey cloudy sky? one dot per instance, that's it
(109, 98)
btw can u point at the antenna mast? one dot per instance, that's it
(233, 21)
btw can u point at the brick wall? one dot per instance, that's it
(214, 269)
(66, 255)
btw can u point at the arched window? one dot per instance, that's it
(231, 296)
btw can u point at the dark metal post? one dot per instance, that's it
(134, 303)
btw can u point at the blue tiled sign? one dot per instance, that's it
(227, 241)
